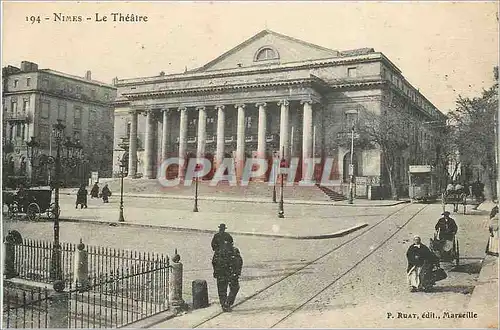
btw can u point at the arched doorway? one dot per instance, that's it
(347, 162)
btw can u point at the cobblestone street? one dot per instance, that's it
(298, 283)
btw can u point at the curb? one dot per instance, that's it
(197, 230)
(225, 199)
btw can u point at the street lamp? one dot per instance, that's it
(351, 168)
(32, 149)
(197, 168)
(56, 271)
(274, 188)
(122, 174)
(281, 211)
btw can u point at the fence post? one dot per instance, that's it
(175, 285)
(59, 307)
(81, 267)
(10, 254)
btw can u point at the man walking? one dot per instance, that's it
(446, 227)
(227, 269)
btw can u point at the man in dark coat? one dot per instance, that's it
(446, 227)
(105, 193)
(81, 197)
(420, 263)
(94, 193)
(221, 238)
(227, 264)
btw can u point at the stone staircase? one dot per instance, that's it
(333, 195)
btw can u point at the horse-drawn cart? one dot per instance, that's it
(455, 199)
(32, 202)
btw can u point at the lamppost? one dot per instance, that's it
(281, 211)
(122, 174)
(351, 168)
(32, 149)
(55, 269)
(195, 209)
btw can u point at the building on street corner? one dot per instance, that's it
(34, 99)
(269, 95)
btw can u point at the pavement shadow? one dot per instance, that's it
(470, 268)
(464, 289)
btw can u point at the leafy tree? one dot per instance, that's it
(474, 137)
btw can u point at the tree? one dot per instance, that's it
(475, 133)
(390, 132)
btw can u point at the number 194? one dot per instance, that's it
(33, 19)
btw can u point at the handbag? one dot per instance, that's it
(439, 274)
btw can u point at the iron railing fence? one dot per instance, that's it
(121, 298)
(25, 308)
(33, 260)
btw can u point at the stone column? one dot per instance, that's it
(182, 139)
(202, 132)
(164, 136)
(149, 171)
(261, 137)
(284, 129)
(240, 140)
(307, 132)
(132, 157)
(221, 121)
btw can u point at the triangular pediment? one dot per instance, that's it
(268, 47)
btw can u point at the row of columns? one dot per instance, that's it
(307, 131)
(13, 128)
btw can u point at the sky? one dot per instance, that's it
(443, 48)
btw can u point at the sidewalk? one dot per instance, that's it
(484, 299)
(292, 227)
(356, 203)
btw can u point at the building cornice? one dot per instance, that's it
(373, 57)
(310, 82)
(59, 96)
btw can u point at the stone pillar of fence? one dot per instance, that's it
(58, 313)
(9, 256)
(81, 267)
(175, 285)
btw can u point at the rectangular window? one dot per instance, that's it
(352, 72)
(13, 106)
(78, 91)
(45, 83)
(44, 135)
(26, 105)
(45, 109)
(61, 111)
(77, 135)
(28, 82)
(350, 119)
(16, 82)
(77, 121)
(93, 94)
(384, 73)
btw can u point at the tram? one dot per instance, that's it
(422, 183)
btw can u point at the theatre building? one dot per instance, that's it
(270, 96)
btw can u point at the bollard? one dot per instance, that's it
(175, 285)
(200, 294)
(58, 307)
(81, 267)
(10, 254)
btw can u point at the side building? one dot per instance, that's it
(33, 100)
(271, 94)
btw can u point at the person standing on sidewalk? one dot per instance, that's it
(221, 238)
(105, 193)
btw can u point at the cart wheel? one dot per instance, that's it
(457, 259)
(51, 211)
(33, 212)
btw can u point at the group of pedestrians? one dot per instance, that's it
(227, 264)
(423, 264)
(81, 195)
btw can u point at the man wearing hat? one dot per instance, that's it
(446, 227)
(221, 239)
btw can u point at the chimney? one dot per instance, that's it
(115, 81)
(27, 66)
(88, 75)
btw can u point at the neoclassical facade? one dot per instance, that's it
(271, 95)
